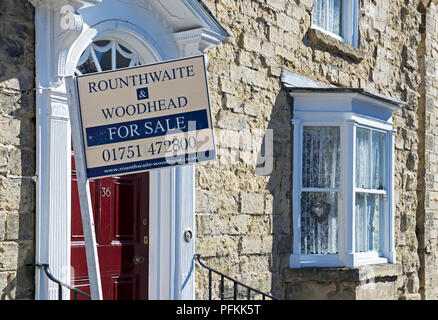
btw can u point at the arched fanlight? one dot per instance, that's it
(105, 55)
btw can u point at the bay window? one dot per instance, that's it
(342, 177)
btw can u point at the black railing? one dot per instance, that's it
(236, 285)
(60, 284)
(222, 276)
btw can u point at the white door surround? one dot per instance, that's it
(64, 29)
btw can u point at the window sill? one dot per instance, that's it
(358, 274)
(325, 40)
(334, 260)
(376, 281)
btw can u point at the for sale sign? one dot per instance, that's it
(145, 117)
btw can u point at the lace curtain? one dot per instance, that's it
(370, 173)
(319, 208)
(370, 169)
(367, 222)
(327, 15)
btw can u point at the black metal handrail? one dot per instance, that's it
(235, 282)
(46, 269)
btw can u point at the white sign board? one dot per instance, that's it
(145, 117)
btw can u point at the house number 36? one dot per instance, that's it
(106, 192)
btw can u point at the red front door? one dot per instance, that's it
(121, 215)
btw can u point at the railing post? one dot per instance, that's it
(235, 290)
(59, 291)
(209, 285)
(222, 289)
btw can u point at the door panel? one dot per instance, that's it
(125, 210)
(121, 216)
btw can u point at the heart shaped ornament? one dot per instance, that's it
(318, 210)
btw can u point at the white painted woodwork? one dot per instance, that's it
(84, 193)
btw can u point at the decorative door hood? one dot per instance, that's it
(187, 25)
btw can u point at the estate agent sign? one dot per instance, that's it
(133, 120)
(145, 117)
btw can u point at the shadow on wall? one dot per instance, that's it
(17, 149)
(279, 186)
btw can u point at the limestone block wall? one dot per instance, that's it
(243, 219)
(17, 149)
(427, 219)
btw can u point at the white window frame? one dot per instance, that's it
(348, 110)
(384, 191)
(329, 258)
(349, 23)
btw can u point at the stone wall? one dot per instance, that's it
(369, 282)
(17, 149)
(243, 219)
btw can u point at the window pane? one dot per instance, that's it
(319, 222)
(327, 15)
(122, 62)
(370, 159)
(321, 157)
(367, 221)
(88, 65)
(106, 55)
(104, 59)
(363, 168)
(378, 160)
